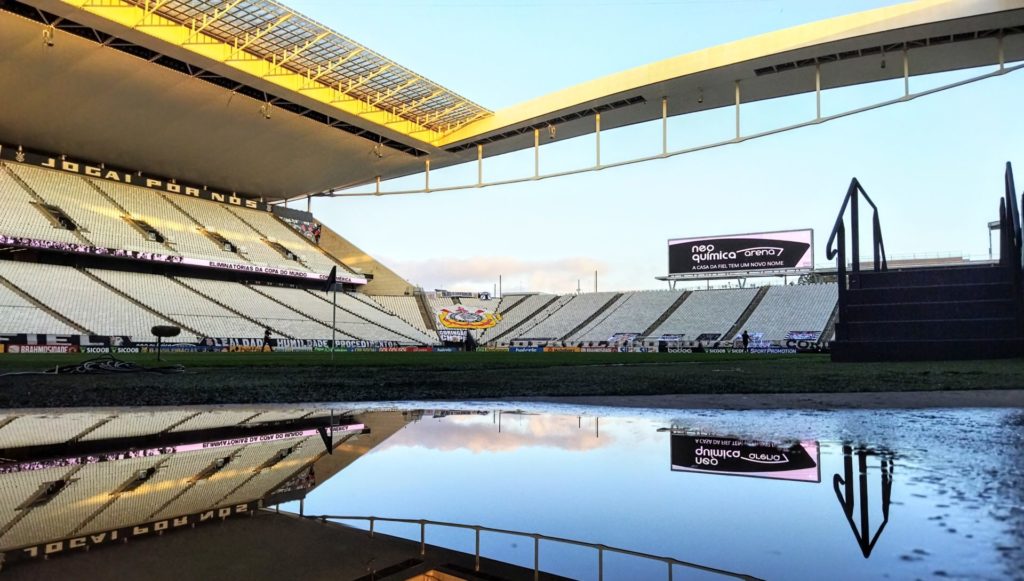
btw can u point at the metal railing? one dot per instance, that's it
(670, 562)
(1011, 243)
(838, 238)
(1010, 251)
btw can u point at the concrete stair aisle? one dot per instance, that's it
(746, 314)
(959, 312)
(525, 320)
(592, 317)
(668, 313)
(426, 312)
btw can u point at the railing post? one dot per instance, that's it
(477, 566)
(536, 558)
(371, 527)
(841, 280)
(855, 228)
(423, 538)
(669, 570)
(600, 563)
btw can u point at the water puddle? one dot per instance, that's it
(771, 494)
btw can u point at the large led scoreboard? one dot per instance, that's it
(782, 252)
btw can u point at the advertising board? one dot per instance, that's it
(796, 460)
(784, 251)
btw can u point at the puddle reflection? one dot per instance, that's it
(770, 494)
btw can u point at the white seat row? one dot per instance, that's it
(793, 308)
(21, 217)
(404, 307)
(98, 207)
(707, 312)
(633, 313)
(99, 221)
(82, 299)
(266, 311)
(572, 313)
(181, 234)
(400, 330)
(514, 311)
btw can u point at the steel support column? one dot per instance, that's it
(664, 125)
(737, 83)
(536, 153)
(480, 165)
(817, 91)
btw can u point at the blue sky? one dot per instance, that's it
(934, 165)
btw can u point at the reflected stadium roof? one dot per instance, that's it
(252, 97)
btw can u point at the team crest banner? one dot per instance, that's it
(462, 318)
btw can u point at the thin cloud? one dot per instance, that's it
(481, 273)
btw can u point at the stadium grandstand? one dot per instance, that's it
(178, 215)
(97, 476)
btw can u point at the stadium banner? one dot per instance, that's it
(452, 335)
(446, 349)
(525, 349)
(78, 340)
(22, 242)
(482, 295)
(561, 349)
(599, 349)
(782, 251)
(494, 349)
(460, 317)
(310, 230)
(124, 534)
(43, 349)
(802, 346)
(735, 350)
(281, 344)
(131, 178)
(99, 350)
(621, 337)
(798, 461)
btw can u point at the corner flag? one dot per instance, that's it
(332, 279)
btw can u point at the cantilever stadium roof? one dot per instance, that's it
(273, 32)
(249, 96)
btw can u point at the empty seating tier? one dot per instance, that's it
(711, 312)
(21, 216)
(784, 309)
(99, 220)
(266, 311)
(633, 313)
(82, 299)
(18, 315)
(515, 312)
(406, 308)
(569, 315)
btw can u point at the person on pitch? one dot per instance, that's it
(266, 341)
